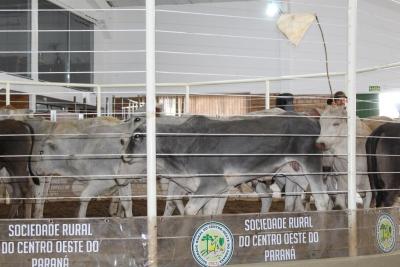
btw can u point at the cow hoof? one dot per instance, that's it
(337, 207)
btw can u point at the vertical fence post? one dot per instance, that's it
(151, 134)
(98, 97)
(351, 125)
(53, 115)
(35, 40)
(8, 94)
(267, 93)
(32, 102)
(187, 99)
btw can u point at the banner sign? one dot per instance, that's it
(195, 240)
(73, 242)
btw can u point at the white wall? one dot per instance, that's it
(378, 44)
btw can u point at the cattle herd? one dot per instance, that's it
(203, 158)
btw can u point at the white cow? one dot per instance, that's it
(333, 140)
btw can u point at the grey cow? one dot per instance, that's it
(260, 185)
(87, 150)
(228, 154)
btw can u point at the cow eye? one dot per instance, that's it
(136, 136)
(137, 119)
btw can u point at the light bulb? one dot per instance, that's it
(272, 9)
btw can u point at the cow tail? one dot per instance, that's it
(35, 180)
(375, 179)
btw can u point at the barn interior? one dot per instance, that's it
(69, 60)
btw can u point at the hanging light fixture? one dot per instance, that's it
(295, 25)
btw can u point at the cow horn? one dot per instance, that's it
(125, 159)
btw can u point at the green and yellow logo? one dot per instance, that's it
(386, 233)
(212, 244)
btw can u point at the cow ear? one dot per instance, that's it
(50, 144)
(158, 110)
(315, 112)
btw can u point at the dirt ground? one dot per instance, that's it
(69, 209)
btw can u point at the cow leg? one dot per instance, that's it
(169, 207)
(16, 201)
(122, 206)
(299, 204)
(174, 199)
(365, 186)
(180, 206)
(280, 182)
(215, 206)
(260, 187)
(114, 207)
(221, 205)
(94, 188)
(29, 202)
(32, 199)
(294, 186)
(17, 187)
(331, 183)
(194, 205)
(207, 186)
(290, 195)
(322, 200)
(169, 203)
(367, 200)
(125, 193)
(266, 201)
(40, 193)
(341, 202)
(293, 198)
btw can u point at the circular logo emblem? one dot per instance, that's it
(212, 244)
(386, 233)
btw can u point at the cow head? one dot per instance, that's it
(50, 155)
(333, 128)
(135, 143)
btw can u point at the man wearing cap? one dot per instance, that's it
(339, 99)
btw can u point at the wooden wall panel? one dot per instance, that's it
(218, 105)
(212, 105)
(17, 101)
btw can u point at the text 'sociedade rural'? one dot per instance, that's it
(43, 241)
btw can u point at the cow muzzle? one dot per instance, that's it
(321, 146)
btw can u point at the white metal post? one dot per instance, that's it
(351, 122)
(267, 92)
(32, 102)
(8, 94)
(187, 99)
(98, 97)
(151, 133)
(35, 40)
(53, 115)
(34, 49)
